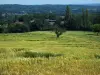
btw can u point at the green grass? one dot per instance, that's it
(41, 53)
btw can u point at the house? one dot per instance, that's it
(51, 22)
(17, 22)
(32, 21)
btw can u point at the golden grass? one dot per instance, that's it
(80, 53)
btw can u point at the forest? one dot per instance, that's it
(83, 19)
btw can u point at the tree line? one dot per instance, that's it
(84, 21)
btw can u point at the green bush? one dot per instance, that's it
(18, 28)
(1, 29)
(96, 28)
(4, 28)
(36, 54)
(97, 56)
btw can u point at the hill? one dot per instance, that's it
(57, 9)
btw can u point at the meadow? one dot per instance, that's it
(41, 53)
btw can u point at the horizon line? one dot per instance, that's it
(53, 4)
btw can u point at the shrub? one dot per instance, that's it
(1, 29)
(4, 28)
(18, 28)
(97, 56)
(36, 54)
(96, 28)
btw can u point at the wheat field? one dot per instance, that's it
(41, 53)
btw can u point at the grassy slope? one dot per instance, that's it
(81, 53)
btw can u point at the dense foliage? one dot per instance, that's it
(96, 28)
(13, 23)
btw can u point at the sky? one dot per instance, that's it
(39, 2)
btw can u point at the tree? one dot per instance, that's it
(96, 18)
(4, 28)
(68, 17)
(59, 28)
(34, 26)
(87, 20)
(96, 28)
(1, 29)
(83, 18)
(77, 21)
(58, 31)
(17, 28)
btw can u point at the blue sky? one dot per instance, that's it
(34, 2)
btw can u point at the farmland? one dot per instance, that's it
(41, 53)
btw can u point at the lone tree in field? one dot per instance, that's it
(59, 28)
(58, 31)
(96, 28)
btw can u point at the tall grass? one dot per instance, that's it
(40, 53)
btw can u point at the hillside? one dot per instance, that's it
(58, 9)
